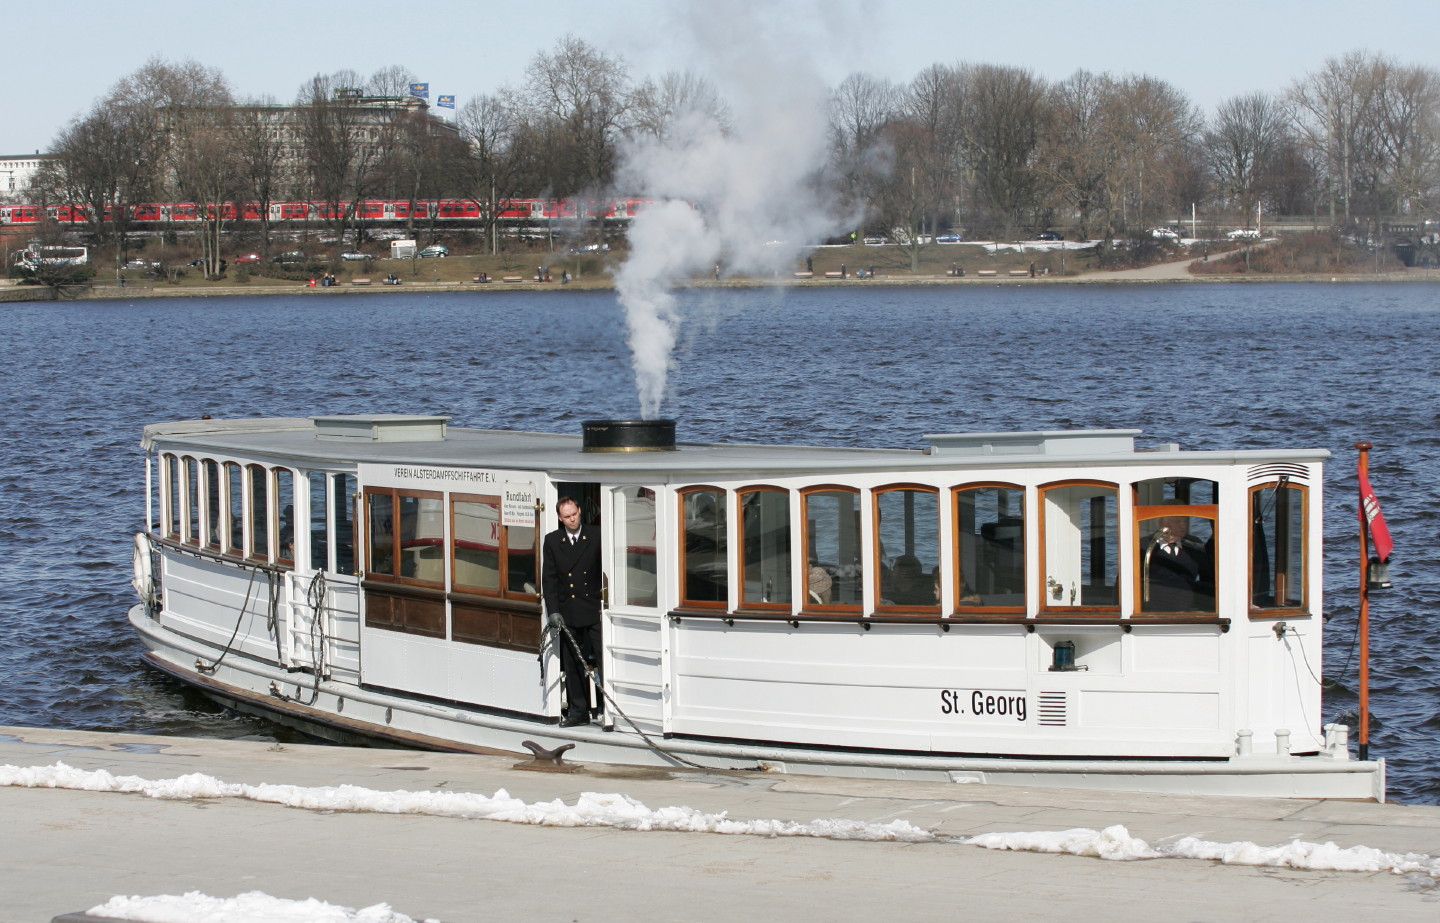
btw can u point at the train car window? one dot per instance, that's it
(907, 548)
(835, 569)
(765, 570)
(704, 558)
(1080, 547)
(990, 548)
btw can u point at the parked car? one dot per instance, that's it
(289, 256)
(1164, 234)
(355, 255)
(139, 263)
(435, 250)
(1244, 234)
(949, 239)
(248, 258)
(1049, 235)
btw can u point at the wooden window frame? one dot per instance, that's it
(171, 478)
(683, 555)
(1139, 514)
(1121, 559)
(1257, 612)
(958, 577)
(395, 493)
(232, 541)
(762, 605)
(277, 509)
(190, 501)
(503, 550)
(806, 605)
(875, 569)
(251, 470)
(211, 517)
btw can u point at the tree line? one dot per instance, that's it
(992, 150)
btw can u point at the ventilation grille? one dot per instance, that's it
(1053, 712)
(1278, 470)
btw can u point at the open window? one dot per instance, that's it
(1175, 551)
(1081, 547)
(990, 548)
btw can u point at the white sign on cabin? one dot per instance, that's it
(518, 506)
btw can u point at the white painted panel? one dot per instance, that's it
(1175, 650)
(1150, 708)
(467, 673)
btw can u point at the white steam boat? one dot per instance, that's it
(992, 608)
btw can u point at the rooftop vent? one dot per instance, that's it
(629, 436)
(380, 427)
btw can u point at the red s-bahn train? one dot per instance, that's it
(375, 212)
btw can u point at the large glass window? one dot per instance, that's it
(1176, 566)
(636, 510)
(990, 547)
(765, 540)
(907, 546)
(1277, 547)
(491, 558)
(834, 569)
(1081, 547)
(407, 536)
(704, 572)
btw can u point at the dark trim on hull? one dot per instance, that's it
(312, 720)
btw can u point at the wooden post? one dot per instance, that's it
(1363, 627)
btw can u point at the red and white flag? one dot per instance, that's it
(1373, 519)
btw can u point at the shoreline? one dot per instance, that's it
(11, 292)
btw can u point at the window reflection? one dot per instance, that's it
(637, 512)
(765, 536)
(832, 547)
(1277, 547)
(991, 548)
(907, 523)
(704, 569)
(1081, 547)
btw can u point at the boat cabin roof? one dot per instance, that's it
(419, 439)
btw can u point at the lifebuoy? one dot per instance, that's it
(143, 579)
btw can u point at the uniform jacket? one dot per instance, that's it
(572, 582)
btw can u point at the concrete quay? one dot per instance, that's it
(65, 851)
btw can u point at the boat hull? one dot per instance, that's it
(347, 714)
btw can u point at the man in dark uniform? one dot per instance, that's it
(1181, 574)
(572, 586)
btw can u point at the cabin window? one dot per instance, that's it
(259, 478)
(235, 506)
(1277, 547)
(407, 535)
(489, 557)
(704, 567)
(171, 475)
(285, 501)
(210, 472)
(190, 521)
(834, 570)
(332, 523)
(1081, 547)
(907, 546)
(1175, 545)
(990, 548)
(765, 540)
(637, 513)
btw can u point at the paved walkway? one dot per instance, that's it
(65, 851)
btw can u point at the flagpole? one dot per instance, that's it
(1364, 625)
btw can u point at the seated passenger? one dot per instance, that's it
(1179, 571)
(908, 584)
(819, 585)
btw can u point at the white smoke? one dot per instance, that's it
(740, 201)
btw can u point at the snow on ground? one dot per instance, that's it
(622, 812)
(194, 907)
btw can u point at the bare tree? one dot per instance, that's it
(1335, 110)
(261, 160)
(393, 80)
(1005, 110)
(1243, 144)
(584, 95)
(496, 157)
(861, 156)
(657, 105)
(1071, 152)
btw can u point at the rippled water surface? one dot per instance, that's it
(1208, 366)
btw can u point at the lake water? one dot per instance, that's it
(1208, 366)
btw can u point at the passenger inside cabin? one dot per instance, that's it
(1179, 569)
(819, 585)
(908, 585)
